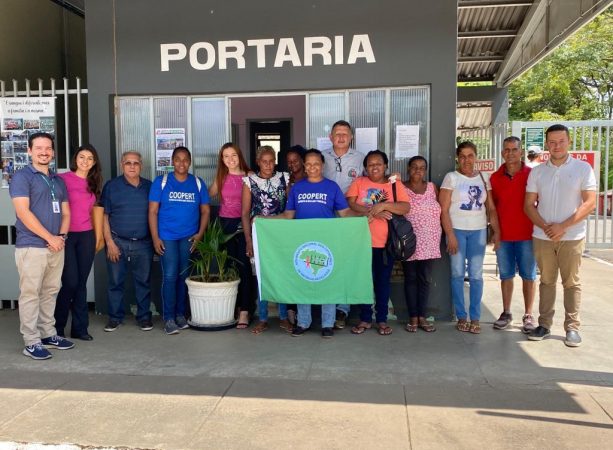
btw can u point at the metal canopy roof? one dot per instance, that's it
(498, 40)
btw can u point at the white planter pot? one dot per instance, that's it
(212, 304)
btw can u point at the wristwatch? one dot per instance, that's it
(62, 235)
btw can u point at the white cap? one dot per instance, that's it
(535, 149)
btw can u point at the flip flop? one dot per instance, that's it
(411, 327)
(260, 328)
(427, 327)
(384, 330)
(361, 328)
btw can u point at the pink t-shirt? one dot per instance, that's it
(231, 195)
(80, 200)
(425, 216)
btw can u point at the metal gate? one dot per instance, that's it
(488, 140)
(589, 136)
(71, 131)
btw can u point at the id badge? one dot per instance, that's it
(56, 207)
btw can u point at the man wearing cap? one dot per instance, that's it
(343, 165)
(515, 252)
(560, 194)
(43, 216)
(128, 242)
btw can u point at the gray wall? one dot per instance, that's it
(414, 43)
(39, 39)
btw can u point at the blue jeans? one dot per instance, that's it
(513, 256)
(471, 250)
(136, 257)
(382, 265)
(175, 269)
(263, 310)
(328, 314)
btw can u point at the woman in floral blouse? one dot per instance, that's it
(264, 194)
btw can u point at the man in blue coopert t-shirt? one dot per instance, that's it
(315, 197)
(43, 218)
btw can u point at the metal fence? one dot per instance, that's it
(70, 112)
(589, 136)
(488, 140)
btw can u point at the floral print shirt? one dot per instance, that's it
(268, 195)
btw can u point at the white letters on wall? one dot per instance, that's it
(315, 50)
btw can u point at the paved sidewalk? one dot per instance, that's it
(232, 389)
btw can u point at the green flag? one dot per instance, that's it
(317, 261)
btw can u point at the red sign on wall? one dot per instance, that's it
(592, 158)
(485, 165)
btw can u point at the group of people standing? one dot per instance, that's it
(57, 238)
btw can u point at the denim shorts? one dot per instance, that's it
(516, 255)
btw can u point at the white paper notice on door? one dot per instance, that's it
(366, 139)
(324, 143)
(407, 141)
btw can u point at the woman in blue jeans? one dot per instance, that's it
(178, 215)
(466, 203)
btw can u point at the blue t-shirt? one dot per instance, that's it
(42, 190)
(179, 210)
(316, 200)
(127, 207)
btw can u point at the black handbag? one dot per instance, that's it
(401, 239)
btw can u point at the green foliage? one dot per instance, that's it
(575, 82)
(212, 262)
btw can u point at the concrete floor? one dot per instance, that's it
(232, 389)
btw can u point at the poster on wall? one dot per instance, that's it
(20, 118)
(166, 140)
(407, 141)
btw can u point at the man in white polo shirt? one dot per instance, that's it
(559, 196)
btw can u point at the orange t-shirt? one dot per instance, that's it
(368, 193)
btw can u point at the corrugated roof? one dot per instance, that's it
(483, 20)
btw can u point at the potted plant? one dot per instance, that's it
(213, 285)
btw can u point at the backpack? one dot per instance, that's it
(165, 180)
(401, 239)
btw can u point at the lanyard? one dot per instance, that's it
(51, 185)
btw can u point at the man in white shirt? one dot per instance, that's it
(560, 194)
(343, 165)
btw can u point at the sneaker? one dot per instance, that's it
(37, 351)
(539, 334)
(503, 321)
(327, 333)
(57, 342)
(181, 323)
(528, 321)
(146, 325)
(572, 338)
(170, 327)
(111, 325)
(341, 319)
(299, 331)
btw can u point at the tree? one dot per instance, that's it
(575, 82)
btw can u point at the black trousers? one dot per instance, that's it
(237, 248)
(417, 281)
(78, 258)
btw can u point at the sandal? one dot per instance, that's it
(463, 325)
(426, 326)
(411, 325)
(260, 328)
(383, 329)
(361, 327)
(284, 324)
(291, 317)
(475, 327)
(243, 320)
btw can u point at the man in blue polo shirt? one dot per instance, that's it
(128, 241)
(43, 217)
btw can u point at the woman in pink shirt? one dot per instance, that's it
(84, 184)
(231, 168)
